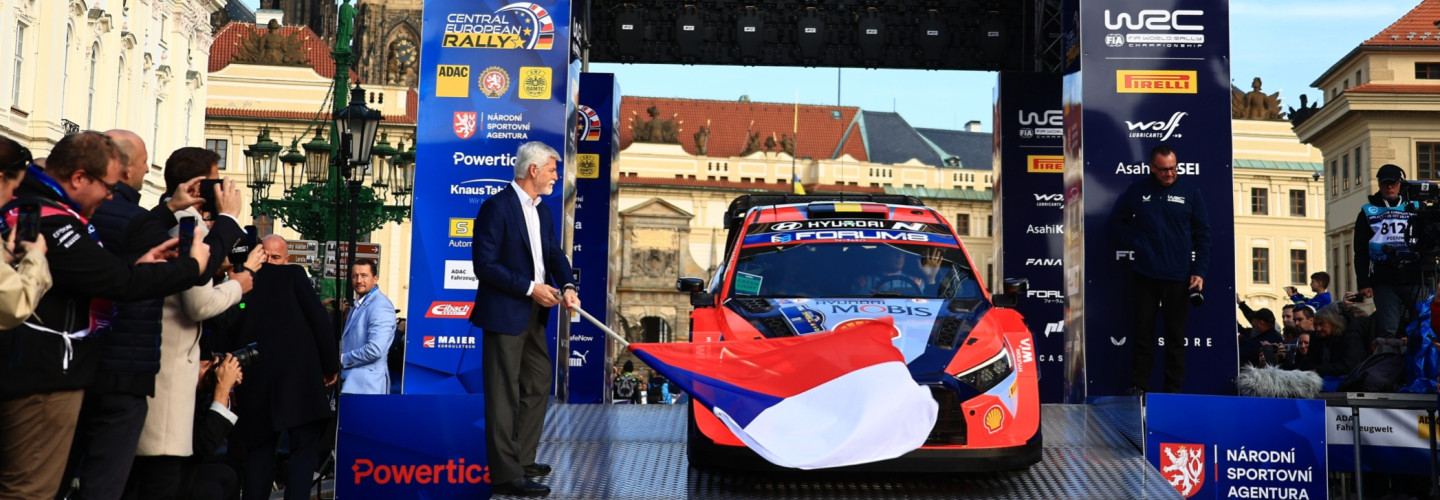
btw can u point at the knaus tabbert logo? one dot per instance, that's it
(1049, 124)
(1162, 130)
(1160, 28)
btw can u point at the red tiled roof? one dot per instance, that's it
(1390, 88)
(1416, 28)
(730, 122)
(228, 40)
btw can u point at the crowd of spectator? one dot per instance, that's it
(160, 352)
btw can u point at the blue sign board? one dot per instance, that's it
(1029, 125)
(597, 120)
(1151, 73)
(1237, 447)
(396, 447)
(493, 75)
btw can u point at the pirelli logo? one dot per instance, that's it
(1155, 82)
(1045, 164)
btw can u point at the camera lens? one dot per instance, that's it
(1197, 299)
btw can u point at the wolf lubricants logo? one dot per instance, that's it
(452, 471)
(520, 25)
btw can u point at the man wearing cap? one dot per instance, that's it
(1386, 267)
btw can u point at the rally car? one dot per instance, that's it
(797, 264)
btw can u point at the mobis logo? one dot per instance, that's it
(1162, 130)
(450, 472)
(1049, 124)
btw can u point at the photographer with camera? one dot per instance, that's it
(1163, 219)
(26, 278)
(1386, 267)
(1259, 347)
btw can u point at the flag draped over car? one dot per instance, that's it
(814, 401)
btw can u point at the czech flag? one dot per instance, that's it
(823, 400)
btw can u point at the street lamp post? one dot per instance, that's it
(329, 178)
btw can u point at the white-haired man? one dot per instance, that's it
(521, 269)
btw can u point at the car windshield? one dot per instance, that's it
(854, 269)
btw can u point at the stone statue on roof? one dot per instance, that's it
(655, 129)
(271, 48)
(346, 29)
(1306, 110)
(752, 145)
(702, 140)
(1254, 105)
(787, 144)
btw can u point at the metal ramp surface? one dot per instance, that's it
(638, 452)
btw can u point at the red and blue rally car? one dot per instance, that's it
(797, 264)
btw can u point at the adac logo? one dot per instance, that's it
(1045, 164)
(1155, 82)
(1183, 465)
(534, 82)
(587, 123)
(465, 123)
(461, 227)
(494, 82)
(520, 25)
(452, 80)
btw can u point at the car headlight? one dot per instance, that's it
(987, 375)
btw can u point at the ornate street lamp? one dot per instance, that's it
(260, 169)
(294, 162)
(382, 170)
(403, 180)
(357, 124)
(317, 159)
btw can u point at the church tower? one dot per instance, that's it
(319, 15)
(387, 41)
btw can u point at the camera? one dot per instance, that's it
(1354, 298)
(244, 355)
(1197, 299)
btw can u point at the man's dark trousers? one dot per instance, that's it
(1172, 298)
(104, 445)
(517, 389)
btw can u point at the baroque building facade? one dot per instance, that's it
(76, 65)
(1382, 102)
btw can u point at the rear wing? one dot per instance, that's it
(735, 215)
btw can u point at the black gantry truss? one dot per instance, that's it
(983, 35)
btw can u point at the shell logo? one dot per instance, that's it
(994, 419)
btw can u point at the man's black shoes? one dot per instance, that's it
(537, 469)
(521, 487)
(1135, 391)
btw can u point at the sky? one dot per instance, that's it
(1287, 43)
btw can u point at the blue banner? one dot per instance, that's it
(1235, 447)
(597, 121)
(411, 446)
(1029, 135)
(494, 75)
(1153, 72)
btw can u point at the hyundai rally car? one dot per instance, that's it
(796, 265)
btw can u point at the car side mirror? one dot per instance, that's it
(1013, 288)
(696, 288)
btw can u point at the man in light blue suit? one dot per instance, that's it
(368, 333)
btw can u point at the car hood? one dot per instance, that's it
(922, 326)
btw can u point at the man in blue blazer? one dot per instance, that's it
(522, 272)
(368, 333)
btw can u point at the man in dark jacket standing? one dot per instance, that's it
(1386, 267)
(48, 361)
(1163, 220)
(285, 389)
(521, 268)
